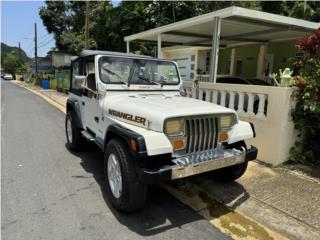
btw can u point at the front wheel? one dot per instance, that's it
(232, 173)
(125, 192)
(73, 133)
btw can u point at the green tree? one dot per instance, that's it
(57, 20)
(11, 63)
(108, 25)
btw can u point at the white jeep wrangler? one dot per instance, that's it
(134, 108)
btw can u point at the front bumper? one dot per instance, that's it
(197, 163)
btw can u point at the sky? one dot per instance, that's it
(17, 24)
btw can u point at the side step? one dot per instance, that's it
(88, 136)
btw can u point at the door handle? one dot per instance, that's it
(96, 119)
(83, 103)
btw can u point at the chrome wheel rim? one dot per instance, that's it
(69, 130)
(114, 175)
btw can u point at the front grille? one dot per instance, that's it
(201, 133)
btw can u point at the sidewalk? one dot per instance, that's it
(283, 199)
(58, 97)
(286, 201)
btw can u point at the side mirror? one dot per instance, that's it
(183, 91)
(79, 81)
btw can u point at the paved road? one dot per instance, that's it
(51, 193)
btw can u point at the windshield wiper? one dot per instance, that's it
(151, 81)
(115, 74)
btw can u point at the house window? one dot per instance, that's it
(192, 67)
(193, 57)
(191, 76)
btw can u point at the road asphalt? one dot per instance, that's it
(49, 192)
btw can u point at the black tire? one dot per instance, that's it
(133, 194)
(232, 173)
(76, 142)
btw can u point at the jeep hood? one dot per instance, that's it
(151, 110)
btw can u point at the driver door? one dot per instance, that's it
(90, 105)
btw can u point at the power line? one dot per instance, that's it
(45, 39)
(46, 43)
(45, 35)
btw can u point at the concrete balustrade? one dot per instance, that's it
(203, 77)
(267, 107)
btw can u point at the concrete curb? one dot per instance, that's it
(50, 100)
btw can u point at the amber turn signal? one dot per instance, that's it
(178, 144)
(223, 137)
(133, 145)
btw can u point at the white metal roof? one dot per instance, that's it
(86, 53)
(238, 25)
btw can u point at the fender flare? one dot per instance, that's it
(73, 105)
(116, 130)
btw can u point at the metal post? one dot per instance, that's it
(159, 45)
(128, 47)
(215, 49)
(233, 62)
(261, 63)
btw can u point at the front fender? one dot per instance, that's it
(74, 106)
(156, 143)
(241, 131)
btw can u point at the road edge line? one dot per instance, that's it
(50, 100)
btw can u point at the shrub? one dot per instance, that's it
(306, 115)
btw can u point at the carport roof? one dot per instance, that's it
(238, 26)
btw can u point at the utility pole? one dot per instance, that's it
(86, 44)
(19, 52)
(36, 51)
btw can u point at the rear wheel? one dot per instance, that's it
(125, 192)
(229, 174)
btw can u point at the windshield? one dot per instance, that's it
(118, 70)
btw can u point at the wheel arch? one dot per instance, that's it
(73, 105)
(118, 131)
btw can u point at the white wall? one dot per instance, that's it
(275, 130)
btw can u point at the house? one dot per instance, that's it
(194, 62)
(60, 59)
(239, 42)
(245, 42)
(44, 65)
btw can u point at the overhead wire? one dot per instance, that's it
(46, 43)
(45, 39)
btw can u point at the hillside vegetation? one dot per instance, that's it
(5, 50)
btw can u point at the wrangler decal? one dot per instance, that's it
(128, 116)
